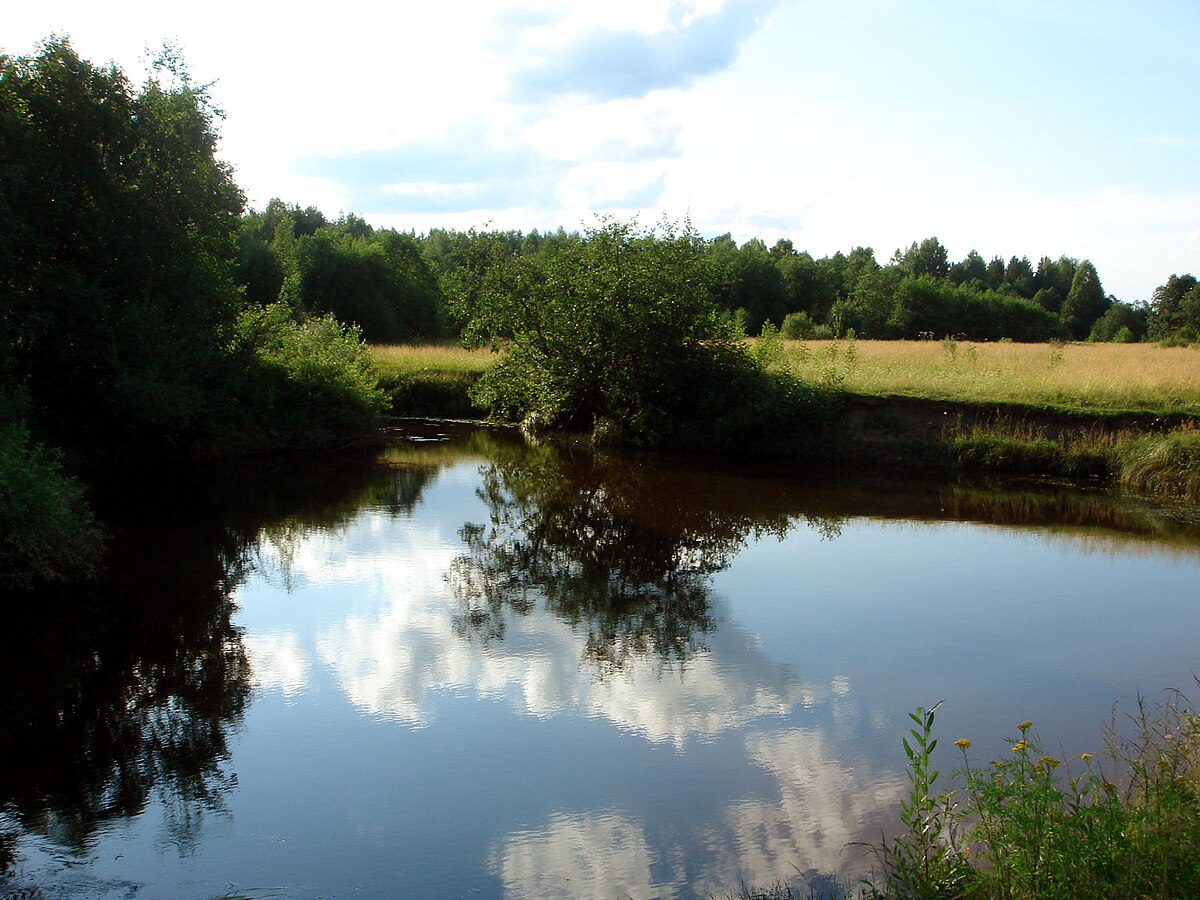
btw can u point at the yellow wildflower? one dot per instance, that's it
(1025, 726)
(1050, 761)
(963, 743)
(1019, 746)
(1085, 756)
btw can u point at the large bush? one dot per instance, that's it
(303, 384)
(614, 330)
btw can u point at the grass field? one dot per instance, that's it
(411, 359)
(1103, 378)
(431, 379)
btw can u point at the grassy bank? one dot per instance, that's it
(1120, 412)
(1106, 379)
(1121, 822)
(431, 379)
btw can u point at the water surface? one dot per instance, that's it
(473, 667)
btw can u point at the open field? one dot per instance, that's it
(431, 379)
(409, 359)
(1099, 378)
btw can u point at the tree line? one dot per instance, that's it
(125, 331)
(395, 285)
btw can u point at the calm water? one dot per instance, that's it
(477, 668)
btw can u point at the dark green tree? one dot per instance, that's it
(122, 330)
(1086, 302)
(808, 288)
(120, 221)
(1122, 322)
(995, 273)
(1018, 277)
(1175, 310)
(926, 258)
(758, 286)
(972, 270)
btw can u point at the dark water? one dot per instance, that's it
(477, 668)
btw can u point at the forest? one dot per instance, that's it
(395, 285)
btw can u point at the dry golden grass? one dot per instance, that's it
(1086, 377)
(1099, 378)
(413, 358)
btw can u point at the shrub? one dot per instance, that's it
(798, 326)
(311, 383)
(614, 330)
(1032, 826)
(47, 531)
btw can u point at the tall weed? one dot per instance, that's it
(1031, 826)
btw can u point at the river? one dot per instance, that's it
(472, 666)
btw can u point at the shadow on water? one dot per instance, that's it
(125, 692)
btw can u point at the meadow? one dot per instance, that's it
(1093, 378)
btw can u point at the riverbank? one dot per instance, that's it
(1126, 415)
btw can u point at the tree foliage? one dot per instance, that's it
(118, 226)
(1085, 303)
(1175, 310)
(615, 330)
(121, 326)
(378, 280)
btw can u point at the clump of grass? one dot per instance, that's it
(1032, 826)
(1162, 463)
(1006, 446)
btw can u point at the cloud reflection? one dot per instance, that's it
(277, 662)
(589, 855)
(390, 663)
(826, 804)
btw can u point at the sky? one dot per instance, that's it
(1023, 127)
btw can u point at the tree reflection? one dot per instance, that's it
(126, 692)
(620, 548)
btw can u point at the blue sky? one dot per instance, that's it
(1014, 128)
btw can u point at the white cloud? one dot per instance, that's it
(816, 128)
